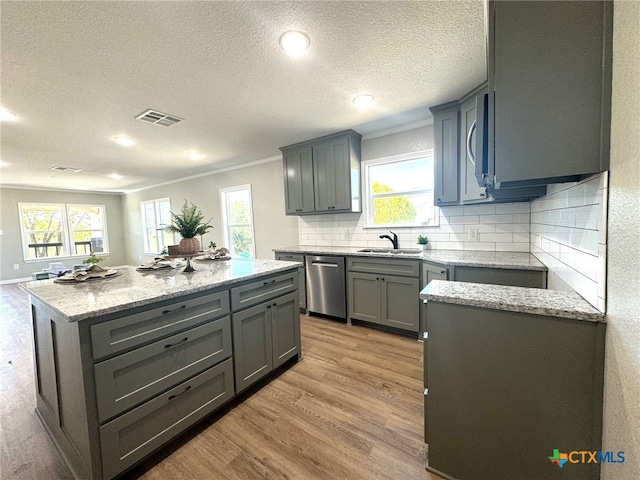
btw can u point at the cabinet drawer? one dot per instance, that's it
(132, 330)
(139, 432)
(263, 290)
(290, 257)
(132, 378)
(390, 266)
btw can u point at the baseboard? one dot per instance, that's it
(16, 280)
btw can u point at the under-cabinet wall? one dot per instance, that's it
(569, 235)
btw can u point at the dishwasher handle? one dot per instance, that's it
(320, 263)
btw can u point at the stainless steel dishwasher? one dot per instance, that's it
(326, 285)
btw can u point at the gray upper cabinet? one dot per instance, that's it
(446, 120)
(323, 175)
(549, 90)
(298, 181)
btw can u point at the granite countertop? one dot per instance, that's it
(537, 301)
(82, 300)
(468, 258)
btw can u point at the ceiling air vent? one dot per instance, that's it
(66, 169)
(159, 118)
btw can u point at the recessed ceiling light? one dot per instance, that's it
(363, 101)
(294, 42)
(124, 141)
(194, 155)
(116, 176)
(6, 115)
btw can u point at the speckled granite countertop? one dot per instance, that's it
(514, 299)
(505, 260)
(80, 301)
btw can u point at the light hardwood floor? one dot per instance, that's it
(351, 409)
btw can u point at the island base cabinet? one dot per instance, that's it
(505, 389)
(264, 337)
(134, 435)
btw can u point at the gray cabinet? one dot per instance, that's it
(431, 271)
(302, 283)
(384, 292)
(501, 276)
(549, 90)
(504, 389)
(264, 337)
(298, 181)
(114, 388)
(323, 175)
(446, 121)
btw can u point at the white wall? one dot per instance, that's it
(622, 354)
(272, 228)
(569, 235)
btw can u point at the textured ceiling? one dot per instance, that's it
(77, 73)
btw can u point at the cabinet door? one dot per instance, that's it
(550, 83)
(298, 180)
(430, 272)
(302, 283)
(400, 302)
(252, 345)
(446, 156)
(332, 174)
(470, 130)
(285, 325)
(364, 296)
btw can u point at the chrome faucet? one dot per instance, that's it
(394, 239)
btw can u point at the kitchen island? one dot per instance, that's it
(124, 364)
(512, 376)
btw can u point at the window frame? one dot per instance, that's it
(224, 218)
(66, 231)
(157, 202)
(368, 198)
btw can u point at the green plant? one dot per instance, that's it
(212, 245)
(422, 240)
(93, 260)
(188, 223)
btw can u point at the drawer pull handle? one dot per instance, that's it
(182, 307)
(268, 306)
(442, 272)
(181, 393)
(268, 283)
(169, 345)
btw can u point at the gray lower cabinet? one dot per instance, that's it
(504, 389)
(264, 337)
(501, 276)
(302, 284)
(431, 271)
(139, 432)
(377, 294)
(112, 389)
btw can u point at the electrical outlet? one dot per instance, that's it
(16, 266)
(346, 235)
(473, 234)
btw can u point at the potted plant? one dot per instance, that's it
(189, 223)
(423, 242)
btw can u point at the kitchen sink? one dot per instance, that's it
(399, 251)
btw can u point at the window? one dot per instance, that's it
(155, 215)
(51, 230)
(399, 191)
(237, 219)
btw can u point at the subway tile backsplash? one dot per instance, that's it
(569, 235)
(503, 227)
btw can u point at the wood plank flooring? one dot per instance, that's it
(351, 409)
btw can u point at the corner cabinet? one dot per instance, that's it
(549, 90)
(384, 292)
(323, 175)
